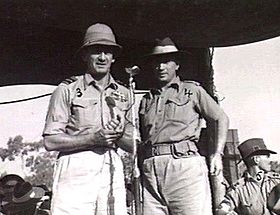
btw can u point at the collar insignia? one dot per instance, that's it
(118, 96)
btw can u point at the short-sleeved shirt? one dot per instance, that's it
(79, 106)
(248, 196)
(176, 113)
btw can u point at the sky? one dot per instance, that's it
(247, 79)
(23, 118)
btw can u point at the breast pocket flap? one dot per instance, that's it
(178, 101)
(84, 103)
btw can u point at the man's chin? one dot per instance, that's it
(101, 70)
(163, 80)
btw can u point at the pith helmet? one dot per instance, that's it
(254, 146)
(100, 34)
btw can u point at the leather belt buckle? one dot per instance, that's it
(155, 151)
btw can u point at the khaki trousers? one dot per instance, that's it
(176, 186)
(89, 183)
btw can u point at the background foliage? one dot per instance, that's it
(37, 164)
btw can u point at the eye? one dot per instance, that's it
(96, 50)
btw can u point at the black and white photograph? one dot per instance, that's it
(152, 107)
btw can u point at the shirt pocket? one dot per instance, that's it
(84, 111)
(176, 108)
(254, 205)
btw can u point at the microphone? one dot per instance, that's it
(111, 104)
(132, 71)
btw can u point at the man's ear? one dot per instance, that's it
(178, 66)
(256, 159)
(113, 60)
(84, 58)
(84, 55)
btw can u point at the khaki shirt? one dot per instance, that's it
(78, 106)
(176, 113)
(248, 196)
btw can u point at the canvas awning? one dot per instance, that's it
(39, 37)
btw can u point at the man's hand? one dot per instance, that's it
(224, 209)
(216, 164)
(221, 212)
(115, 125)
(112, 132)
(106, 137)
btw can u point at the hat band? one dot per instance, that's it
(100, 42)
(164, 49)
(95, 36)
(29, 195)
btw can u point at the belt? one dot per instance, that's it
(176, 149)
(98, 150)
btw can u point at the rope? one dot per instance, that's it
(27, 99)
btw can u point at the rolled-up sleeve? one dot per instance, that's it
(58, 112)
(207, 106)
(230, 201)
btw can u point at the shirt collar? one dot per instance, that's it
(259, 177)
(175, 84)
(89, 80)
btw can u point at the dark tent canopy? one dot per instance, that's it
(39, 37)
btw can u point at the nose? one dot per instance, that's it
(102, 56)
(161, 66)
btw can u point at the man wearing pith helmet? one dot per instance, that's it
(175, 175)
(87, 120)
(248, 196)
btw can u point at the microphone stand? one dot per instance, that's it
(136, 173)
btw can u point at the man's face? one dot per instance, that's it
(264, 162)
(164, 69)
(99, 59)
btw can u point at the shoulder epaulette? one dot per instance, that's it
(273, 174)
(238, 183)
(121, 83)
(70, 80)
(192, 82)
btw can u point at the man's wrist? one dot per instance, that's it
(220, 153)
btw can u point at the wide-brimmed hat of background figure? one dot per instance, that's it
(24, 196)
(7, 184)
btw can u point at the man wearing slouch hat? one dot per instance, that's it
(175, 175)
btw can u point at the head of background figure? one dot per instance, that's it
(254, 152)
(25, 199)
(7, 185)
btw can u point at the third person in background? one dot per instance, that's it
(248, 196)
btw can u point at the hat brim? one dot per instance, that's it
(260, 152)
(116, 47)
(175, 53)
(16, 207)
